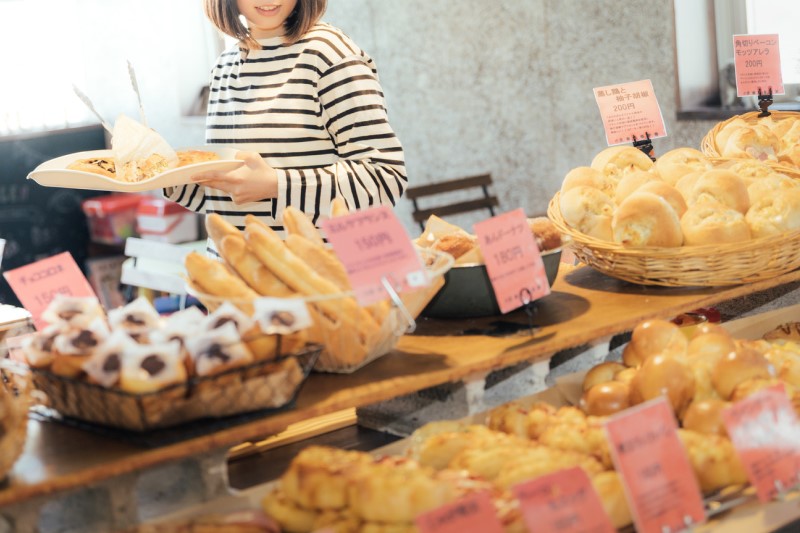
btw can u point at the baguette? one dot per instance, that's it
(321, 260)
(339, 207)
(297, 222)
(214, 278)
(218, 228)
(236, 253)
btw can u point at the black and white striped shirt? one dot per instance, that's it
(315, 111)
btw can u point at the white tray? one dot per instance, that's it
(54, 173)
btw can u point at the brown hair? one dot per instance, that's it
(224, 14)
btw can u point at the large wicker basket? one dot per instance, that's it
(686, 266)
(709, 143)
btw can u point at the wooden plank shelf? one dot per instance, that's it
(584, 305)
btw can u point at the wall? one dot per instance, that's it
(506, 87)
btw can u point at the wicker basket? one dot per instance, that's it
(258, 386)
(686, 266)
(709, 145)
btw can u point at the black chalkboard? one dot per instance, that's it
(37, 221)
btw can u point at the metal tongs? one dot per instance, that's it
(87, 101)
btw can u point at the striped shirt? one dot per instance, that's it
(315, 112)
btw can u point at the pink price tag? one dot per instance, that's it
(658, 478)
(757, 59)
(766, 433)
(38, 283)
(562, 502)
(512, 259)
(373, 245)
(630, 112)
(471, 513)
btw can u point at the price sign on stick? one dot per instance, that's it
(471, 513)
(562, 502)
(766, 433)
(658, 478)
(38, 283)
(512, 258)
(373, 245)
(757, 59)
(630, 112)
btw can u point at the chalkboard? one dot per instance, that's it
(37, 221)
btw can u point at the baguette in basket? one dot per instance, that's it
(258, 263)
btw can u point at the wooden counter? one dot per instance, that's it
(584, 305)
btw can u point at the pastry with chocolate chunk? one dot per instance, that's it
(138, 319)
(105, 166)
(152, 367)
(104, 366)
(218, 350)
(72, 347)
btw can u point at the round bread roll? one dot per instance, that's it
(601, 373)
(751, 386)
(714, 460)
(631, 182)
(686, 184)
(710, 222)
(626, 376)
(669, 193)
(587, 177)
(654, 337)
(318, 476)
(589, 211)
(662, 375)
(606, 398)
(786, 363)
(289, 515)
(775, 214)
(703, 388)
(736, 367)
(790, 143)
(721, 186)
(722, 136)
(705, 416)
(677, 163)
(710, 345)
(779, 126)
(749, 170)
(770, 185)
(756, 142)
(616, 161)
(645, 219)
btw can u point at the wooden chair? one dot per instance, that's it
(483, 181)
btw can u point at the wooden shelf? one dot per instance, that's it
(584, 305)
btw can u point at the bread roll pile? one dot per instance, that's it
(353, 492)
(700, 376)
(256, 262)
(773, 138)
(681, 199)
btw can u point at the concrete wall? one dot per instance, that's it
(506, 87)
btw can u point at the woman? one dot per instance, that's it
(303, 104)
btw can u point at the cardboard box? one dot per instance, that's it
(164, 221)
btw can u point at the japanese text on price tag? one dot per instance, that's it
(766, 433)
(372, 244)
(38, 283)
(512, 258)
(471, 513)
(658, 478)
(757, 59)
(562, 502)
(630, 112)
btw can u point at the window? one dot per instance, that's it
(46, 46)
(704, 32)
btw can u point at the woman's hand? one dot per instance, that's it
(254, 180)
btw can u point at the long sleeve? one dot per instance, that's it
(371, 167)
(191, 196)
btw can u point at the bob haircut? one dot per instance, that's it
(224, 14)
